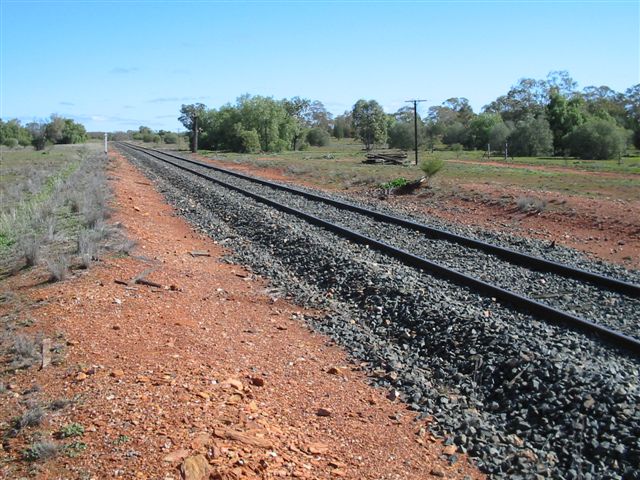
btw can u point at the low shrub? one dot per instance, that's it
(531, 204)
(41, 451)
(58, 266)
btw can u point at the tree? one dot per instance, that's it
(298, 109)
(190, 116)
(401, 129)
(369, 122)
(12, 133)
(270, 119)
(597, 139)
(73, 132)
(318, 137)
(499, 134)
(480, 128)
(455, 133)
(527, 97)
(401, 135)
(37, 130)
(342, 126)
(531, 137)
(54, 130)
(563, 115)
(319, 117)
(562, 83)
(632, 107)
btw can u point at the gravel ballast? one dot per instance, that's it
(525, 398)
(617, 311)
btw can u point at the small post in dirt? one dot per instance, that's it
(106, 135)
(415, 123)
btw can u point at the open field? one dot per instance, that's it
(339, 166)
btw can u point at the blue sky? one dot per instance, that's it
(115, 65)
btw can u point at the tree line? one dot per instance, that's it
(56, 130)
(534, 118)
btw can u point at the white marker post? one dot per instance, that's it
(105, 143)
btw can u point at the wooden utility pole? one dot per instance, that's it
(415, 124)
(194, 140)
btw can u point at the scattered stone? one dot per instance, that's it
(393, 395)
(317, 448)
(201, 441)
(257, 381)
(242, 438)
(323, 412)
(176, 456)
(195, 468)
(449, 450)
(45, 353)
(237, 384)
(117, 373)
(437, 472)
(81, 376)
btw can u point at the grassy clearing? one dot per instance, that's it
(58, 219)
(339, 166)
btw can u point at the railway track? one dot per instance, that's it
(490, 374)
(580, 286)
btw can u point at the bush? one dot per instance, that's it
(24, 349)
(171, 138)
(249, 141)
(318, 137)
(29, 246)
(71, 430)
(42, 450)
(31, 418)
(87, 246)
(531, 204)
(431, 167)
(395, 183)
(597, 139)
(531, 137)
(401, 135)
(11, 142)
(58, 267)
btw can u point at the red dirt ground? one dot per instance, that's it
(205, 371)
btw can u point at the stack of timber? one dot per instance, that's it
(386, 158)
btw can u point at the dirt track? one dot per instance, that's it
(208, 364)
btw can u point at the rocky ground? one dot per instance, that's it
(201, 371)
(525, 398)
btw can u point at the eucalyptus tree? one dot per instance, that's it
(190, 118)
(369, 123)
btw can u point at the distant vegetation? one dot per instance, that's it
(534, 118)
(58, 130)
(146, 135)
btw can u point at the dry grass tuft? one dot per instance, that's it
(531, 204)
(41, 451)
(58, 266)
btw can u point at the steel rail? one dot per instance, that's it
(618, 339)
(513, 256)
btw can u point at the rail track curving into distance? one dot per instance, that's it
(366, 226)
